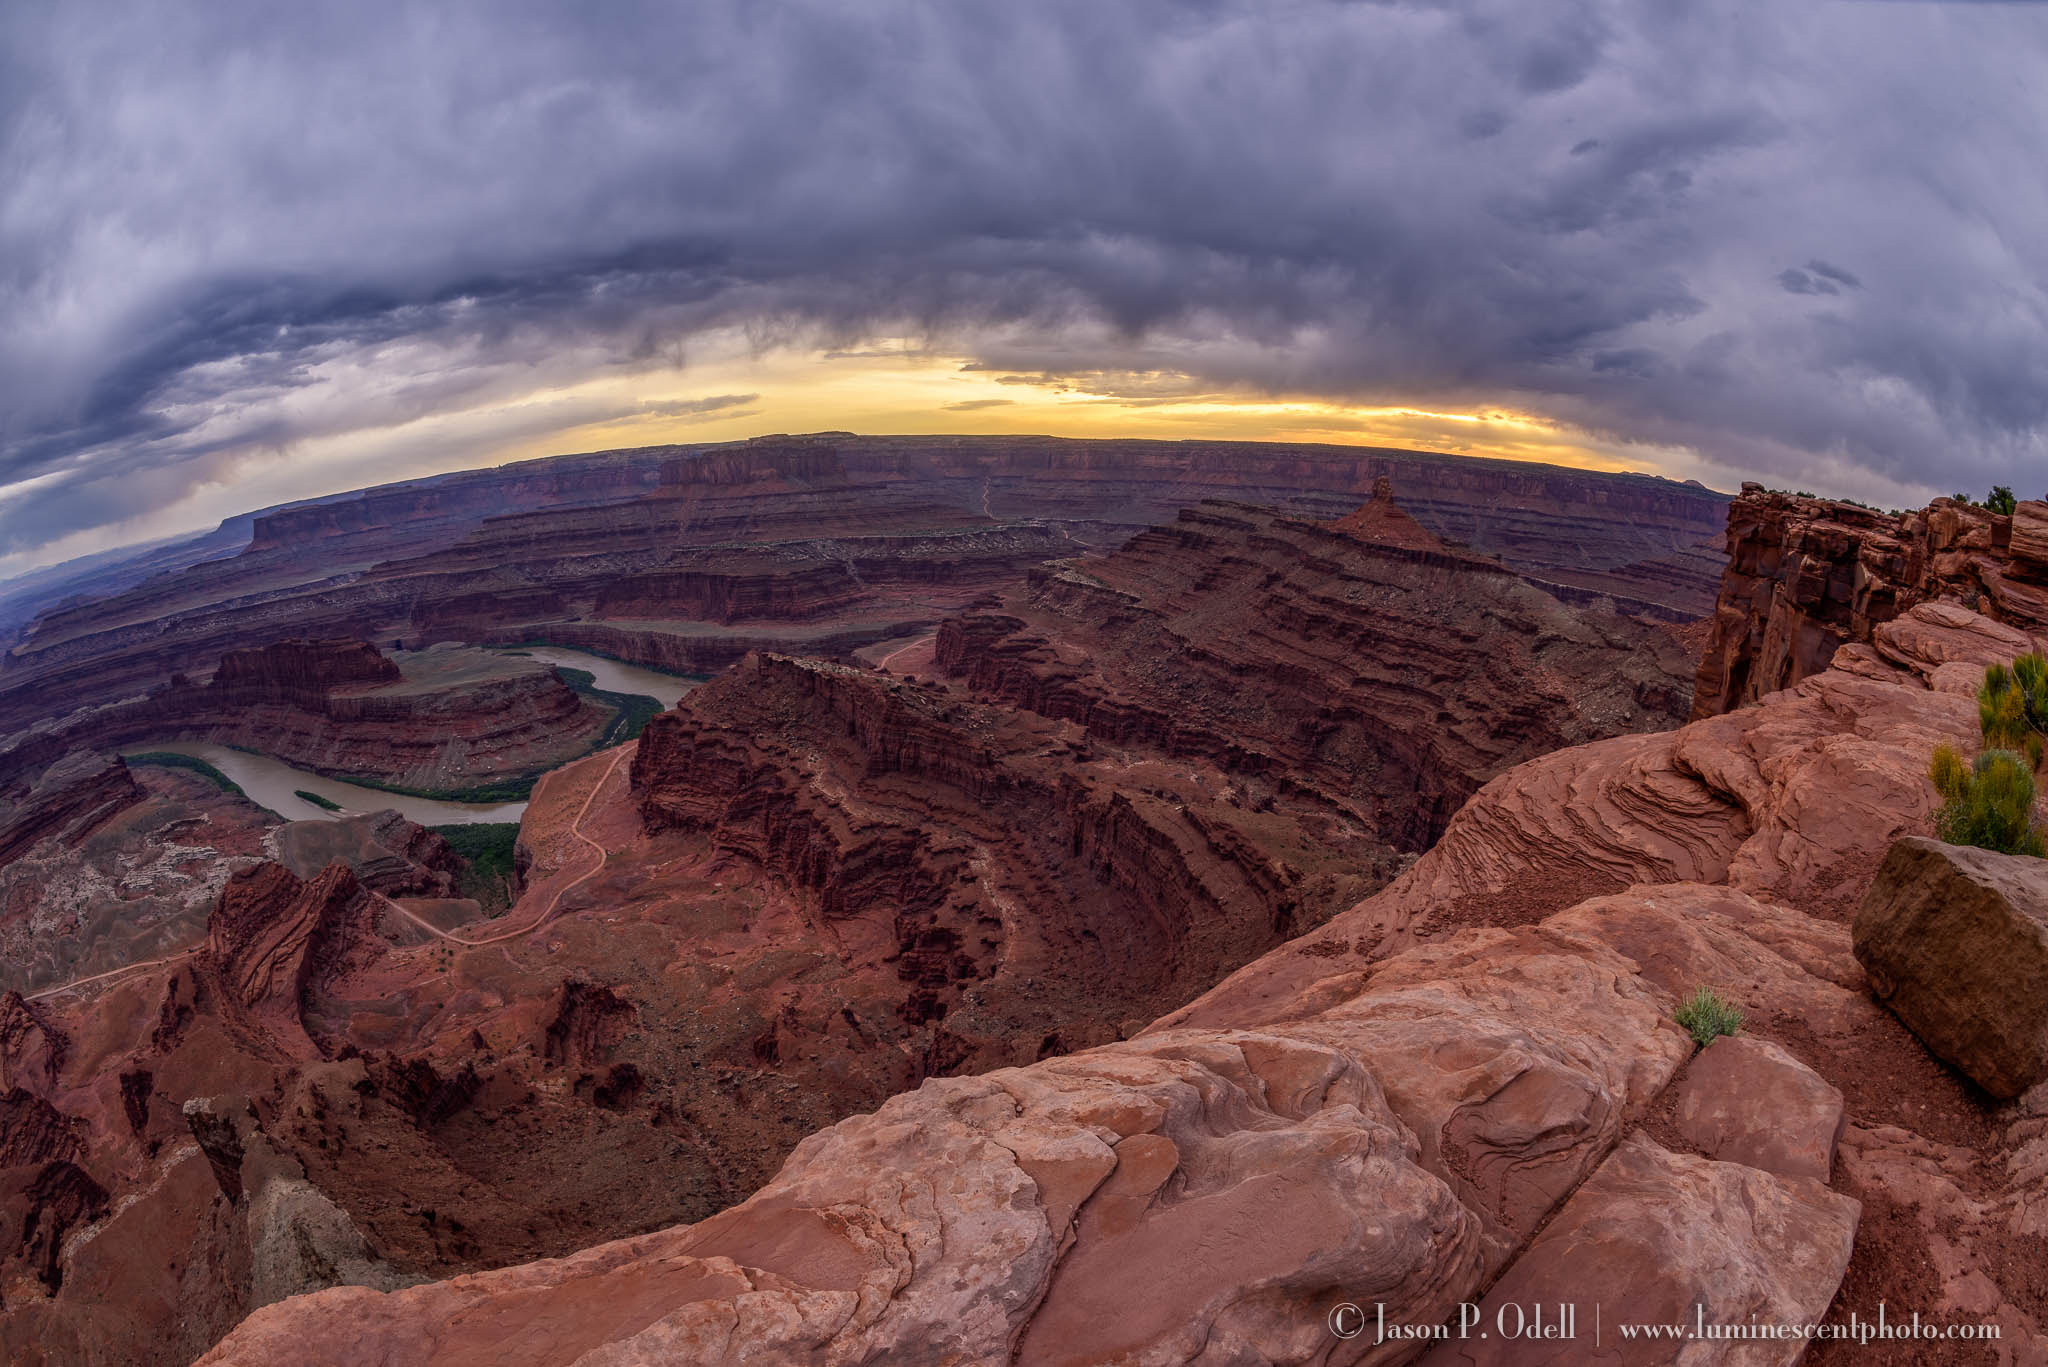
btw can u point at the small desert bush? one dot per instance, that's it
(1988, 802)
(2012, 706)
(489, 851)
(1706, 1017)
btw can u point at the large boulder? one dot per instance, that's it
(1955, 941)
(1748, 1101)
(1200, 1195)
(1656, 1237)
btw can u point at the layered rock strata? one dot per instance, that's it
(1022, 887)
(838, 533)
(438, 719)
(1806, 576)
(1478, 1055)
(64, 802)
(1362, 660)
(274, 938)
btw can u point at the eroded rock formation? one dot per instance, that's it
(1362, 661)
(32, 1049)
(1479, 1054)
(273, 938)
(386, 852)
(1806, 576)
(123, 881)
(64, 802)
(1018, 886)
(442, 718)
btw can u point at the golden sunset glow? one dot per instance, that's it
(900, 390)
(728, 390)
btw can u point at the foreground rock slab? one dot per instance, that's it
(1064, 1213)
(1662, 1238)
(1955, 941)
(1748, 1101)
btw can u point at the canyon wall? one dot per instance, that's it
(813, 887)
(1468, 1088)
(695, 541)
(925, 826)
(439, 719)
(1362, 659)
(1805, 576)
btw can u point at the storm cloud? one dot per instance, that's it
(1807, 242)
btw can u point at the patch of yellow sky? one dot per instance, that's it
(898, 392)
(729, 392)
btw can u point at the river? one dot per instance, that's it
(274, 784)
(614, 676)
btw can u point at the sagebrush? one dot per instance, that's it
(2012, 707)
(1706, 1017)
(1987, 802)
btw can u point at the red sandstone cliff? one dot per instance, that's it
(1805, 576)
(925, 826)
(1360, 660)
(273, 938)
(1469, 1088)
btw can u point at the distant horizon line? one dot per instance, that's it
(201, 532)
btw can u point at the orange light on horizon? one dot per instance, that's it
(901, 392)
(730, 390)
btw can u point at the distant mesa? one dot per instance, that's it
(686, 558)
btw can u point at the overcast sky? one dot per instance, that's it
(254, 252)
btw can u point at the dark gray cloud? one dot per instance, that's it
(1796, 240)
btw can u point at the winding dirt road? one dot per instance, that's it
(546, 912)
(122, 971)
(884, 662)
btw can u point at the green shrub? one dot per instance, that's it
(1988, 802)
(487, 849)
(1706, 1017)
(2000, 500)
(2012, 706)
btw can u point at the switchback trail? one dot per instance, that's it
(546, 912)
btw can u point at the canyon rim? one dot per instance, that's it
(1163, 685)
